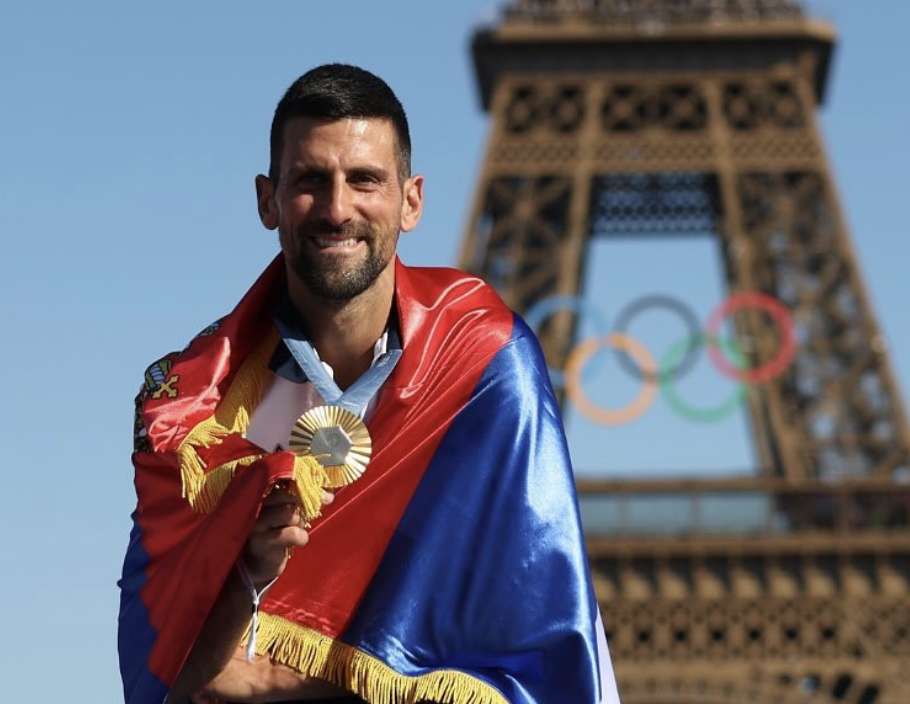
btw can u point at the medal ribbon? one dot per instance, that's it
(358, 395)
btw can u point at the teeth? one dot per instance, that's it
(324, 242)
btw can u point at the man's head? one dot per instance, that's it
(339, 188)
(336, 91)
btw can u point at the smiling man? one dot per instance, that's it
(355, 487)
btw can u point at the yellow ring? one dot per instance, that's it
(611, 416)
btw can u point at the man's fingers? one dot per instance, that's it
(279, 495)
(266, 553)
(281, 508)
(277, 517)
(279, 528)
(272, 543)
(291, 537)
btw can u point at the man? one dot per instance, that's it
(453, 570)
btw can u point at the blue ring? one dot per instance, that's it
(546, 307)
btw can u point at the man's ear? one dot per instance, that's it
(412, 203)
(265, 200)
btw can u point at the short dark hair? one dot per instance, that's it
(335, 92)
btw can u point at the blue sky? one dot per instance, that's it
(129, 138)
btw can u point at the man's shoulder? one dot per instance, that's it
(439, 276)
(447, 288)
(463, 291)
(157, 371)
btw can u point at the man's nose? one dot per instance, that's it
(337, 203)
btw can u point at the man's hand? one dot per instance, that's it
(279, 529)
(260, 680)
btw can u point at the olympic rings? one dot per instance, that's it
(701, 415)
(725, 354)
(780, 315)
(639, 405)
(680, 366)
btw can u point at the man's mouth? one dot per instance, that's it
(329, 243)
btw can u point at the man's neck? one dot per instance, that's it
(344, 333)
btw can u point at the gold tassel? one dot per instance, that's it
(204, 489)
(217, 481)
(309, 479)
(317, 655)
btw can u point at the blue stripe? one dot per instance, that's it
(487, 571)
(135, 635)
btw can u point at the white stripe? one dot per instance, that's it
(608, 691)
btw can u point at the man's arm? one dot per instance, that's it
(260, 680)
(217, 665)
(217, 642)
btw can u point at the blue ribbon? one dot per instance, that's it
(358, 395)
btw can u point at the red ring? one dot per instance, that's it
(781, 316)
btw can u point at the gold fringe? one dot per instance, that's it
(317, 655)
(204, 489)
(309, 479)
(216, 482)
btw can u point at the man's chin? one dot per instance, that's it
(337, 288)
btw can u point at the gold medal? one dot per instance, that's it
(337, 438)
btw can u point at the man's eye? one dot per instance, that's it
(310, 180)
(364, 179)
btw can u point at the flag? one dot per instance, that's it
(454, 570)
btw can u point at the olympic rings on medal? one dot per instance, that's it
(725, 354)
(781, 316)
(688, 359)
(636, 351)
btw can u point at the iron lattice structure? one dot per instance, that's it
(643, 117)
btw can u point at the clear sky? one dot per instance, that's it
(129, 137)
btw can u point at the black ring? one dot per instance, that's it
(689, 318)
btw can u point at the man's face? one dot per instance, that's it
(339, 204)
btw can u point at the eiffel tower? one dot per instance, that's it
(621, 117)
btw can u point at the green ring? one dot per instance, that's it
(701, 415)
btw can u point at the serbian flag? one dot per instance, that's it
(453, 571)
